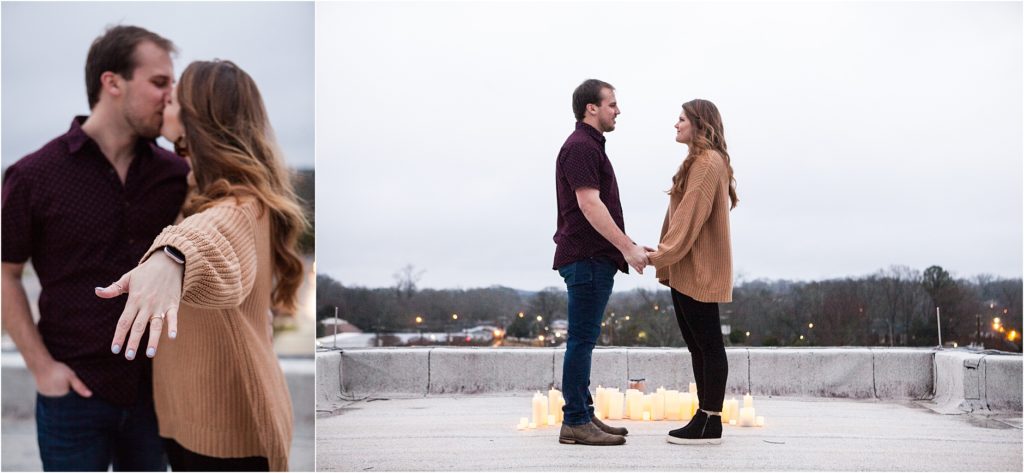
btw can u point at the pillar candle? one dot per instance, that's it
(759, 421)
(649, 406)
(551, 419)
(693, 389)
(746, 417)
(647, 415)
(533, 425)
(748, 400)
(734, 409)
(523, 423)
(672, 404)
(560, 413)
(599, 400)
(685, 399)
(658, 409)
(540, 409)
(615, 406)
(553, 396)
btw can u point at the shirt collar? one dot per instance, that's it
(589, 130)
(77, 138)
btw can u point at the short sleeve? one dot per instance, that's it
(16, 216)
(581, 166)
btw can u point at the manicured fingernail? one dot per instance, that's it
(173, 334)
(130, 354)
(115, 348)
(151, 352)
(99, 289)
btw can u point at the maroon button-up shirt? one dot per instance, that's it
(65, 209)
(582, 162)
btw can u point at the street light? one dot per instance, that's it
(455, 316)
(810, 325)
(540, 319)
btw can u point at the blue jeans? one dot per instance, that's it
(90, 434)
(589, 283)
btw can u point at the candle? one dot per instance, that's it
(658, 409)
(598, 416)
(647, 415)
(634, 404)
(553, 396)
(599, 401)
(540, 409)
(693, 389)
(760, 421)
(615, 405)
(732, 422)
(748, 400)
(533, 425)
(560, 412)
(672, 404)
(523, 423)
(746, 417)
(649, 406)
(685, 399)
(551, 419)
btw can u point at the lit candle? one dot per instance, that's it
(599, 401)
(685, 400)
(672, 404)
(553, 396)
(560, 412)
(533, 425)
(725, 412)
(523, 423)
(649, 406)
(760, 421)
(693, 389)
(551, 419)
(746, 417)
(658, 408)
(615, 405)
(540, 409)
(647, 415)
(598, 416)
(732, 422)
(748, 400)
(630, 411)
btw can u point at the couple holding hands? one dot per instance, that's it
(202, 246)
(693, 257)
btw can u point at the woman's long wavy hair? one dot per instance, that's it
(231, 145)
(708, 135)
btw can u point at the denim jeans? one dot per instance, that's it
(589, 283)
(90, 434)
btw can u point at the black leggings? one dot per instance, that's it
(702, 331)
(183, 459)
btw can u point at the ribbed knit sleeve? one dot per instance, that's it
(220, 254)
(693, 210)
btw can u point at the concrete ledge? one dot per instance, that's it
(1002, 383)
(328, 378)
(384, 371)
(483, 370)
(824, 372)
(903, 373)
(953, 381)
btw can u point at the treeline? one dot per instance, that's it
(893, 307)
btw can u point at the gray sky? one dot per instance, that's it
(45, 44)
(862, 135)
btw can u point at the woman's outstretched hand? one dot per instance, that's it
(154, 292)
(649, 251)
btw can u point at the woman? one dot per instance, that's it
(695, 260)
(221, 398)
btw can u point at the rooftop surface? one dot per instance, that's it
(477, 433)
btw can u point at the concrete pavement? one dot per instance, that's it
(476, 432)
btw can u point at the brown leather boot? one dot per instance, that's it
(588, 434)
(609, 429)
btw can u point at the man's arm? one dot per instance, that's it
(53, 378)
(589, 200)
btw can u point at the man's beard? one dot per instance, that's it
(141, 127)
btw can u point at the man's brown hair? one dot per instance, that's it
(114, 51)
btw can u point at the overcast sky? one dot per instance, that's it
(45, 45)
(862, 135)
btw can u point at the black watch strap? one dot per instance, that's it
(174, 254)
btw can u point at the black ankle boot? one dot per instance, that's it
(702, 429)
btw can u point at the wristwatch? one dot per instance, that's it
(174, 254)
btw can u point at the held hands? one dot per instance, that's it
(154, 292)
(636, 257)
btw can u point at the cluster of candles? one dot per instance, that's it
(634, 404)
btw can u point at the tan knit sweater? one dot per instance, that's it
(694, 256)
(218, 387)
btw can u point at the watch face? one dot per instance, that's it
(174, 254)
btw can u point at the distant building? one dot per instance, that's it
(343, 326)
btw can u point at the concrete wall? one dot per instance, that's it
(855, 373)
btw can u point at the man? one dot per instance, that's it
(84, 208)
(591, 246)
